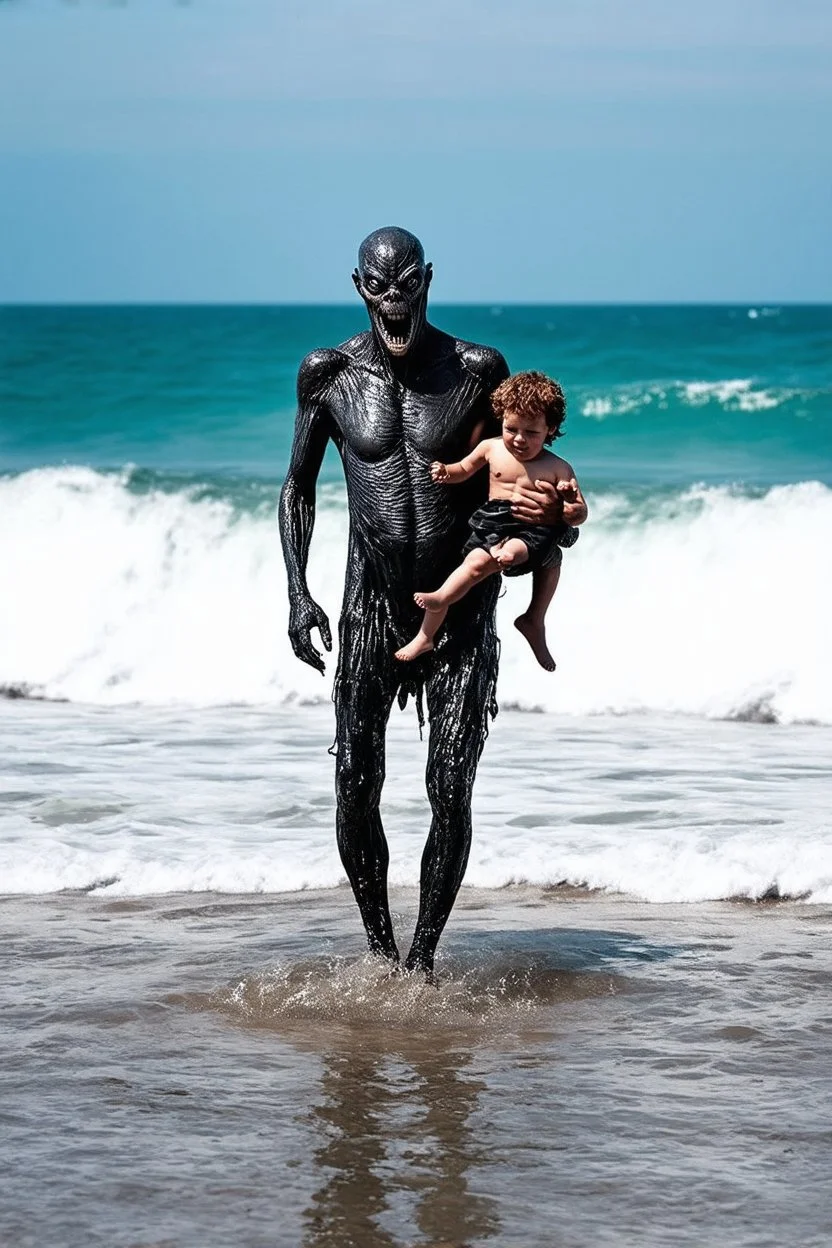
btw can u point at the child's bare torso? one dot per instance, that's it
(505, 471)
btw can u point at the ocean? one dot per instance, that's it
(630, 1037)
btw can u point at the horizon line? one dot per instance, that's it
(449, 303)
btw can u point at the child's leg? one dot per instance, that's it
(511, 552)
(532, 624)
(432, 621)
(476, 565)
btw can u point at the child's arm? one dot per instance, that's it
(575, 510)
(568, 492)
(556, 499)
(452, 474)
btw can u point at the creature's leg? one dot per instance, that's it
(475, 567)
(364, 695)
(532, 624)
(460, 694)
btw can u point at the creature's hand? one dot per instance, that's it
(541, 504)
(568, 490)
(438, 472)
(304, 615)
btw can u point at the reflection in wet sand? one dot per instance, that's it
(635, 1074)
(399, 1142)
(399, 1156)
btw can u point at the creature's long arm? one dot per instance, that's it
(297, 507)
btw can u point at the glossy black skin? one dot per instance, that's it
(390, 414)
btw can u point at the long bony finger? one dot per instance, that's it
(326, 633)
(313, 657)
(306, 652)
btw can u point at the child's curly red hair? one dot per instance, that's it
(532, 394)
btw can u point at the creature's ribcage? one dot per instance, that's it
(406, 526)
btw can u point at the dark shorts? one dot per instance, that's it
(494, 522)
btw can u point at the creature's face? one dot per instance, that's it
(393, 280)
(524, 436)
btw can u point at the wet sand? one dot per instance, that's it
(200, 1070)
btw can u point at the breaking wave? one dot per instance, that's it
(711, 601)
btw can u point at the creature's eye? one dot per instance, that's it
(412, 282)
(372, 284)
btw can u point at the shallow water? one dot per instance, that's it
(200, 1070)
(133, 801)
(183, 1066)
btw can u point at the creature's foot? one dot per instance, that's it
(389, 971)
(388, 952)
(419, 645)
(428, 602)
(421, 967)
(535, 635)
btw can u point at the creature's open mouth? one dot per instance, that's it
(396, 328)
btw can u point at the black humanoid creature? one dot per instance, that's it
(392, 400)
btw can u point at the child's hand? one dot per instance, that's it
(438, 472)
(574, 503)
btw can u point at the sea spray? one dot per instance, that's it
(709, 601)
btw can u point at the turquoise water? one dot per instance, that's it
(193, 1068)
(664, 395)
(141, 451)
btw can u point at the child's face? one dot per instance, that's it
(524, 436)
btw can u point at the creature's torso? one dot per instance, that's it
(388, 433)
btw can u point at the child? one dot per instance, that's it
(532, 409)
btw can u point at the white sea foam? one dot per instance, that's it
(709, 603)
(623, 401)
(733, 394)
(128, 801)
(597, 408)
(717, 605)
(738, 393)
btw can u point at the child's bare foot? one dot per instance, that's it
(428, 602)
(505, 558)
(419, 645)
(535, 635)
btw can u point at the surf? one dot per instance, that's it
(706, 601)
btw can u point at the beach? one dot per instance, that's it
(207, 1067)
(199, 1069)
(630, 1038)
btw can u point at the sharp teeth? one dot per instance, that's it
(389, 323)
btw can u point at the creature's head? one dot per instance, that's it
(393, 279)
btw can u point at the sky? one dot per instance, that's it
(552, 151)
